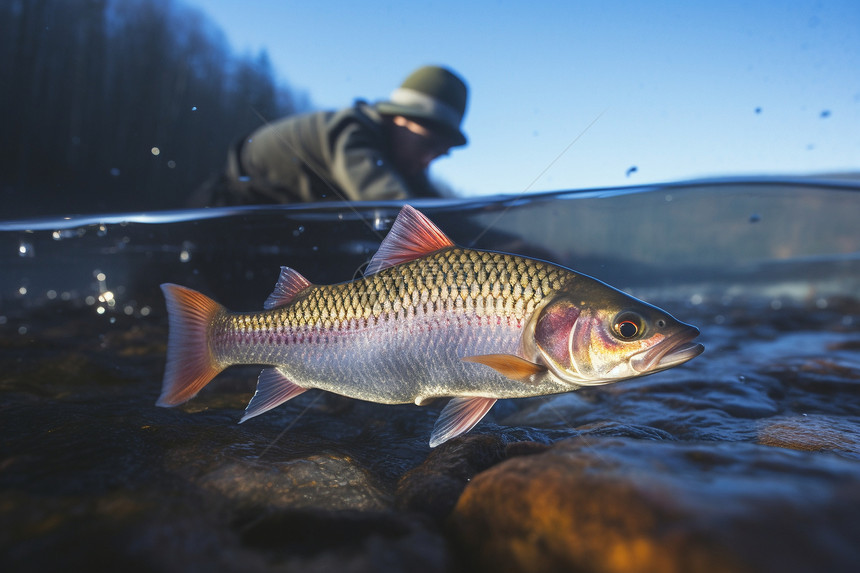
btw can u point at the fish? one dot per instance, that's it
(428, 320)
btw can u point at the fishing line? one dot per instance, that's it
(536, 179)
(373, 230)
(352, 208)
(292, 423)
(504, 211)
(328, 183)
(581, 435)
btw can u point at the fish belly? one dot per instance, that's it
(396, 360)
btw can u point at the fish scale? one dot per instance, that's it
(485, 282)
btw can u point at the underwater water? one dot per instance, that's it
(746, 458)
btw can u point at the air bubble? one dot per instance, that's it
(185, 254)
(61, 234)
(380, 223)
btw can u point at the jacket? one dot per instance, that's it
(319, 156)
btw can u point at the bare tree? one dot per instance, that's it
(113, 105)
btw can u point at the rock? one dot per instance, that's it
(433, 487)
(618, 504)
(814, 432)
(325, 481)
(346, 541)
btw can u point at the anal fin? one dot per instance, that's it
(273, 389)
(459, 416)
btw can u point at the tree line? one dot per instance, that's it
(120, 105)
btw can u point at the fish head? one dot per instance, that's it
(590, 334)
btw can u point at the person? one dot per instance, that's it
(364, 152)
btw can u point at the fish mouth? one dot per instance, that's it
(672, 351)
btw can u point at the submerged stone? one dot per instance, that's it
(815, 433)
(323, 481)
(617, 505)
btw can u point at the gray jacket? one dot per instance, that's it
(320, 156)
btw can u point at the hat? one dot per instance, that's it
(432, 94)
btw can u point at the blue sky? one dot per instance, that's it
(678, 89)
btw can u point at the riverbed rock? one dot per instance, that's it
(433, 487)
(814, 433)
(618, 504)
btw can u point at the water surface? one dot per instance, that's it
(769, 270)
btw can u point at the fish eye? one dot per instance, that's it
(627, 329)
(628, 326)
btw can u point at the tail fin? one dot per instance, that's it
(190, 364)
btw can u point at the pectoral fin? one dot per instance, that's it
(273, 389)
(510, 366)
(459, 416)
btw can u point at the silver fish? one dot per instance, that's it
(429, 320)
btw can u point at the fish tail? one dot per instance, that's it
(190, 362)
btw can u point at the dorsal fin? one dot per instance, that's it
(290, 283)
(411, 237)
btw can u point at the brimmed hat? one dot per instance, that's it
(432, 94)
